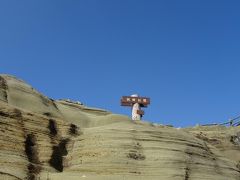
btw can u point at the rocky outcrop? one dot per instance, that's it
(47, 139)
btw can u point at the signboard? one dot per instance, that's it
(129, 101)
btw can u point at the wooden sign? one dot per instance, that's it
(129, 101)
(135, 102)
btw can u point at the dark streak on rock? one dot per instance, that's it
(34, 167)
(4, 86)
(74, 130)
(187, 172)
(188, 163)
(47, 114)
(17, 114)
(136, 152)
(135, 172)
(238, 165)
(136, 156)
(59, 151)
(54, 104)
(31, 148)
(52, 126)
(33, 170)
(4, 114)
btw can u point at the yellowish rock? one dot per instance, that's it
(42, 138)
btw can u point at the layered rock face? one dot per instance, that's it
(41, 138)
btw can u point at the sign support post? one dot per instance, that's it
(136, 103)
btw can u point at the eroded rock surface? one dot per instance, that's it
(42, 138)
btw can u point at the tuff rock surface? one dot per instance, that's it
(41, 138)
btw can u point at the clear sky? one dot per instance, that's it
(184, 55)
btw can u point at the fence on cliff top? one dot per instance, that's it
(231, 122)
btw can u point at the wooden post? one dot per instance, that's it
(136, 109)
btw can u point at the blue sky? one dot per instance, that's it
(184, 55)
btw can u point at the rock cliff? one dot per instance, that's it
(42, 138)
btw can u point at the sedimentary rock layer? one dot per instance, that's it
(49, 139)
